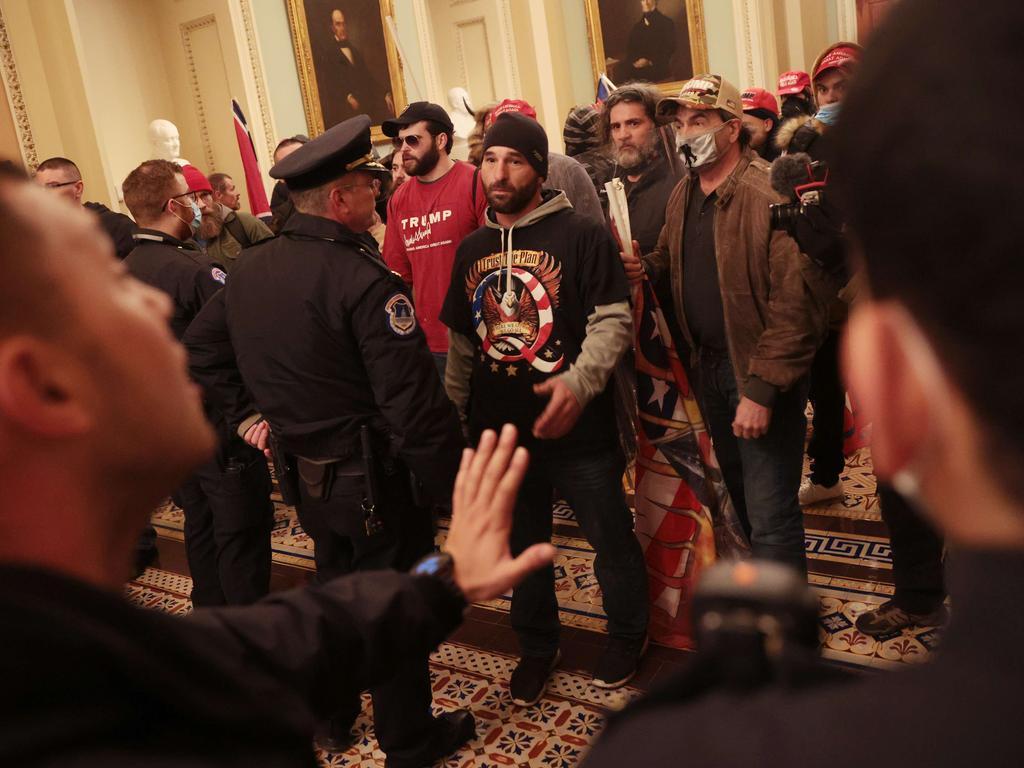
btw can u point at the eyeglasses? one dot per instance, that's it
(193, 196)
(413, 140)
(59, 184)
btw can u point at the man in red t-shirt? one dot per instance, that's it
(441, 203)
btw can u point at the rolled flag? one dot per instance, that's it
(253, 178)
(604, 87)
(618, 210)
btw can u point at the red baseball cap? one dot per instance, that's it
(197, 182)
(839, 56)
(793, 82)
(509, 105)
(759, 98)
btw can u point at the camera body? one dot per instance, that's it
(804, 182)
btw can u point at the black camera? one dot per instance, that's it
(803, 181)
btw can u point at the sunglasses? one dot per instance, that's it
(59, 184)
(412, 140)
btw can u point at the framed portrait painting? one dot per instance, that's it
(348, 64)
(660, 41)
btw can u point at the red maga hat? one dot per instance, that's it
(759, 98)
(793, 82)
(509, 105)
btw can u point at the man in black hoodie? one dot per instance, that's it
(538, 316)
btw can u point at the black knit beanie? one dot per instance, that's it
(523, 134)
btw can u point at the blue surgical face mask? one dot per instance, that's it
(829, 113)
(197, 217)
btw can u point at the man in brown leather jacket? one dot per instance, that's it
(745, 309)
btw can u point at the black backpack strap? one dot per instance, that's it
(476, 178)
(234, 226)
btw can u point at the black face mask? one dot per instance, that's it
(794, 107)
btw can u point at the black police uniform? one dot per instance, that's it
(228, 512)
(326, 340)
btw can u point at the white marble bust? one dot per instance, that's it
(165, 141)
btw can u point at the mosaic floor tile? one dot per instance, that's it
(554, 733)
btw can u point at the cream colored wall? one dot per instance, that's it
(271, 17)
(47, 52)
(127, 82)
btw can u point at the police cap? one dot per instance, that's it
(339, 150)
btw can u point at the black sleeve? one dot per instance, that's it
(212, 363)
(405, 385)
(334, 640)
(602, 276)
(120, 229)
(456, 311)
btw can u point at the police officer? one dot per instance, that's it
(228, 512)
(327, 341)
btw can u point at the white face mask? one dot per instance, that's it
(701, 150)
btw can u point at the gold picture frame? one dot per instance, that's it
(313, 52)
(627, 11)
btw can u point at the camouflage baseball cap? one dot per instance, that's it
(704, 92)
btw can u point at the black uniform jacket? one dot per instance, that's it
(326, 340)
(960, 709)
(91, 680)
(120, 228)
(177, 268)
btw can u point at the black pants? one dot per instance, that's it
(401, 707)
(228, 519)
(763, 474)
(828, 396)
(916, 555)
(592, 484)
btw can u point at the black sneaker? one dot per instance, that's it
(530, 678)
(619, 662)
(888, 619)
(451, 731)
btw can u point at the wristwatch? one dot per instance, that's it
(440, 566)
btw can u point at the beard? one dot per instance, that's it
(517, 197)
(212, 224)
(636, 158)
(424, 164)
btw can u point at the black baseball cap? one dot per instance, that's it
(418, 110)
(338, 150)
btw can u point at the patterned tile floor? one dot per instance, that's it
(554, 733)
(580, 603)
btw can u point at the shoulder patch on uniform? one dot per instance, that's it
(401, 315)
(219, 275)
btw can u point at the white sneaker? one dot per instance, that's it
(812, 493)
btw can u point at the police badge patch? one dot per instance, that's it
(219, 275)
(401, 316)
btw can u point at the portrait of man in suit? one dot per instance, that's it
(348, 43)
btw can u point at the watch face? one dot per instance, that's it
(430, 565)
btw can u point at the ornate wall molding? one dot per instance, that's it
(509, 48)
(755, 43)
(16, 99)
(425, 36)
(258, 76)
(193, 78)
(846, 15)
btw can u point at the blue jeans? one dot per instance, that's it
(763, 474)
(592, 484)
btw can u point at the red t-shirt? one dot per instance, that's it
(426, 223)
